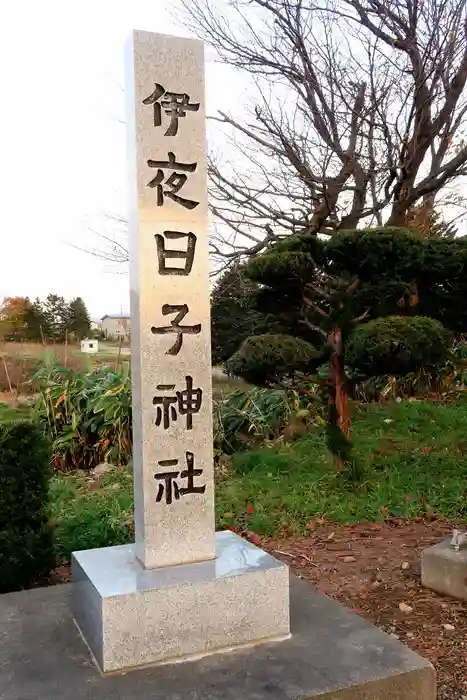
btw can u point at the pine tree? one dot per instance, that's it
(36, 321)
(56, 314)
(334, 304)
(79, 322)
(232, 317)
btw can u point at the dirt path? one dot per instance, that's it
(373, 569)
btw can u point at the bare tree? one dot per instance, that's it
(357, 113)
(111, 242)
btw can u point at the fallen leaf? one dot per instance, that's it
(254, 538)
(403, 607)
(348, 560)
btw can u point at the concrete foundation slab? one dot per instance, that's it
(332, 655)
(444, 570)
(131, 616)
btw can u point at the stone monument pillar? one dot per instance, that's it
(171, 346)
(181, 590)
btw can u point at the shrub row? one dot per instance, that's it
(26, 538)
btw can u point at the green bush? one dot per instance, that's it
(26, 542)
(233, 318)
(397, 346)
(264, 359)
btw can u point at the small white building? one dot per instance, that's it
(90, 346)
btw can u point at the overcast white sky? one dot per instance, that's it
(62, 146)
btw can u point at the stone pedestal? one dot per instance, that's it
(444, 570)
(131, 616)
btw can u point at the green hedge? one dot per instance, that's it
(397, 345)
(263, 359)
(26, 542)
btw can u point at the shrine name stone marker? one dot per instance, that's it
(180, 591)
(171, 352)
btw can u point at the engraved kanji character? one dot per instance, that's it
(170, 487)
(181, 311)
(164, 254)
(174, 183)
(175, 104)
(187, 402)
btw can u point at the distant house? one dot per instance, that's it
(89, 346)
(116, 326)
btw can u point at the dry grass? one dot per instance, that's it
(18, 362)
(12, 399)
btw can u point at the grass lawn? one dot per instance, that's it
(414, 457)
(91, 513)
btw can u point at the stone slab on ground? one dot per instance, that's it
(332, 655)
(444, 570)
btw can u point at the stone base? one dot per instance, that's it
(130, 616)
(332, 655)
(444, 570)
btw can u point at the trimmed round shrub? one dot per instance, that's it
(369, 252)
(288, 262)
(26, 542)
(264, 359)
(397, 345)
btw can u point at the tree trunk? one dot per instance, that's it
(398, 214)
(338, 380)
(338, 406)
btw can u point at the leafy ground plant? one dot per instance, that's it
(87, 414)
(245, 417)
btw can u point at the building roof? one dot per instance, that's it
(125, 316)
